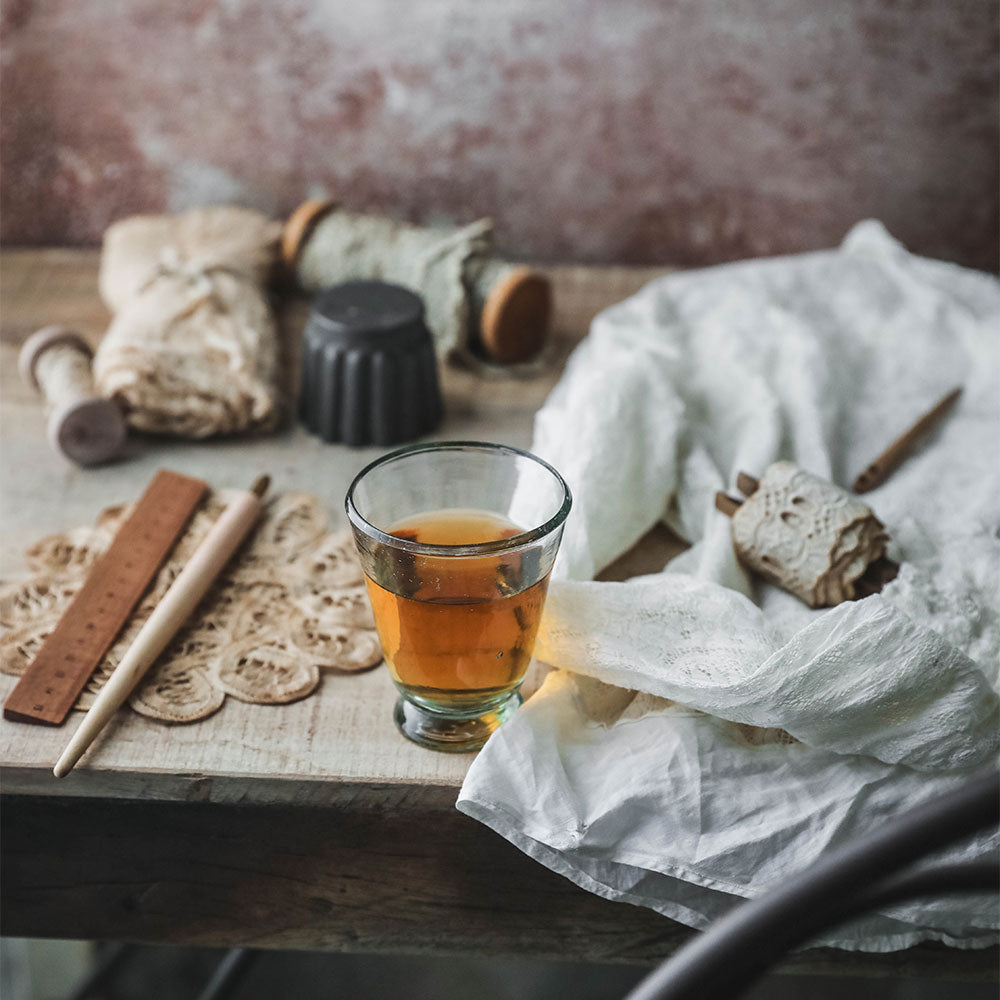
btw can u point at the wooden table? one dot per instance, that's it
(308, 826)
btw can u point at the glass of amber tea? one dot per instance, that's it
(457, 540)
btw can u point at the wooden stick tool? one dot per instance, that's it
(890, 460)
(174, 609)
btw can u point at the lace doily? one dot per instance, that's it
(291, 603)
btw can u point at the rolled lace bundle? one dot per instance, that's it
(810, 537)
(193, 348)
(477, 305)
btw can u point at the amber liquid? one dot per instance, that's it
(461, 637)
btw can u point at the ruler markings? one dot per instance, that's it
(98, 612)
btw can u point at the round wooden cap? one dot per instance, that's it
(41, 340)
(515, 319)
(299, 227)
(89, 431)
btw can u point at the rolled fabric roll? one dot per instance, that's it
(477, 305)
(808, 536)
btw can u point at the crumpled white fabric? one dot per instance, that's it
(656, 790)
(862, 678)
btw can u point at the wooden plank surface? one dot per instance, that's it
(313, 825)
(343, 732)
(373, 871)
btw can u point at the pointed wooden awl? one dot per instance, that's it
(176, 606)
(890, 460)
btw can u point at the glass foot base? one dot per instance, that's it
(461, 734)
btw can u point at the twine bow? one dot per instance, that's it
(197, 273)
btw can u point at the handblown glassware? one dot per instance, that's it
(457, 540)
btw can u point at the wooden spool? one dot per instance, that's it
(512, 304)
(88, 430)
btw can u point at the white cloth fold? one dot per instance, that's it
(860, 679)
(821, 359)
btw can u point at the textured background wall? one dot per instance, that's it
(642, 131)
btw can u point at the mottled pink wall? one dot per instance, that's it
(642, 131)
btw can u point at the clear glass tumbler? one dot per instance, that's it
(457, 540)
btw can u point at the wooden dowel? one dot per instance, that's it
(168, 616)
(890, 460)
(747, 484)
(87, 429)
(727, 504)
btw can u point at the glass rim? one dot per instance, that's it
(359, 521)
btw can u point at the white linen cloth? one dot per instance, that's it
(654, 766)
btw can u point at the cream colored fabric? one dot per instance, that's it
(193, 348)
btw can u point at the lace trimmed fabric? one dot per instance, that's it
(286, 608)
(807, 535)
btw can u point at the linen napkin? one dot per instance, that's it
(706, 735)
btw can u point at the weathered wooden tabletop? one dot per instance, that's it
(313, 825)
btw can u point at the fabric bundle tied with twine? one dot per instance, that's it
(192, 349)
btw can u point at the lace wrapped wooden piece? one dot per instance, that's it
(807, 535)
(193, 348)
(285, 609)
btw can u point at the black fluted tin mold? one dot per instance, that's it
(369, 372)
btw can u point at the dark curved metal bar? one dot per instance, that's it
(228, 974)
(964, 876)
(865, 873)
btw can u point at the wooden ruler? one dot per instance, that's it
(47, 690)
